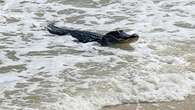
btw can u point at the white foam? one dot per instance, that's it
(88, 76)
(8, 78)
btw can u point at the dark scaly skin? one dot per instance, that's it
(110, 38)
(82, 36)
(85, 36)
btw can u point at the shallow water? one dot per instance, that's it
(43, 71)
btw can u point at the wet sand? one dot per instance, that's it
(187, 104)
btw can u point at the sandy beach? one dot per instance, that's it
(187, 104)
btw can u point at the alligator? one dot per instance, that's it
(112, 37)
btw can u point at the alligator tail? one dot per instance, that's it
(56, 30)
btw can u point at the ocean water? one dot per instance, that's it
(43, 71)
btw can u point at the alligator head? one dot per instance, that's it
(119, 36)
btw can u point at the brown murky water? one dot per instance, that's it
(187, 104)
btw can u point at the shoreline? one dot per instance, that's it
(187, 104)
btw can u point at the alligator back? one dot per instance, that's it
(86, 36)
(81, 36)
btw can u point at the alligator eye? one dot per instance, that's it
(134, 35)
(119, 31)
